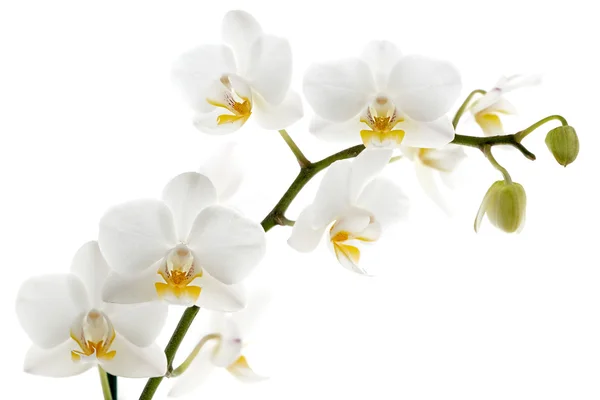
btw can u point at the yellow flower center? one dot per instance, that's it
(94, 335)
(344, 244)
(177, 274)
(381, 117)
(239, 107)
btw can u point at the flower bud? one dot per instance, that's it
(563, 144)
(504, 203)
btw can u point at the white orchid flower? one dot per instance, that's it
(249, 75)
(355, 204)
(385, 97)
(431, 164)
(488, 109)
(183, 249)
(72, 329)
(222, 348)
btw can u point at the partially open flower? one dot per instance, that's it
(384, 98)
(223, 346)
(488, 109)
(354, 204)
(72, 329)
(249, 76)
(505, 205)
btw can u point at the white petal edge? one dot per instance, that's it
(240, 30)
(424, 88)
(278, 116)
(227, 244)
(186, 195)
(47, 306)
(197, 373)
(131, 361)
(90, 266)
(54, 362)
(305, 238)
(207, 123)
(385, 200)
(365, 167)
(427, 181)
(338, 91)
(218, 296)
(196, 70)
(434, 134)
(138, 323)
(134, 235)
(347, 132)
(131, 288)
(224, 169)
(381, 56)
(270, 68)
(333, 194)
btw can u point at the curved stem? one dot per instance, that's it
(184, 365)
(464, 106)
(277, 214)
(302, 160)
(488, 154)
(182, 327)
(481, 142)
(519, 136)
(106, 388)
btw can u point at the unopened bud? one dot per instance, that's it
(563, 144)
(504, 203)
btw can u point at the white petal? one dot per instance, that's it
(218, 296)
(138, 323)
(347, 132)
(381, 56)
(242, 371)
(91, 267)
(54, 362)
(518, 81)
(502, 106)
(240, 30)
(424, 88)
(304, 237)
(131, 361)
(195, 72)
(224, 170)
(434, 134)
(426, 178)
(486, 101)
(197, 373)
(207, 123)
(186, 195)
(227, 244)
(338, 91)
(131, 288)
(366, 166)
(445, 159)
(280, 116)
(270, 68)
(354, 220)
(230, 344)
(134, 235)
(333, 195)
(385, 200)
(247, 319)
(47, 305)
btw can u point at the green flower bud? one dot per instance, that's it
(563, 144)
(504, 204)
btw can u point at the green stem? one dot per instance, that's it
(302, 160)
(482, 142)
(464, 106)
(106, 388)
(182, 327)
(112, 384)
(488, 154)
(184, 366)
(519, 136)
(277, 214)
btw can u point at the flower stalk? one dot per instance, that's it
(180, 331)
(106, 387)
(300, 157)
(519, 136)
(184, 366)
(464, 105)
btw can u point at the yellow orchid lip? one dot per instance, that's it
(239, 107)
(177, 273)
(381, 118)
(94, 336)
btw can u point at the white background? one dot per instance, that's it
(88, 119)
